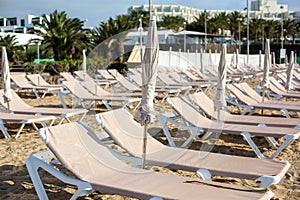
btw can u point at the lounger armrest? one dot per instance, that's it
(33, 163)
(62, 94)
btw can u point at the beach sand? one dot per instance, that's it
(15, 182)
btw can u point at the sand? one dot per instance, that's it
(15, 182)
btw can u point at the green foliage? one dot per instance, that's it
(121, 67)
(54, 67)
(64, 36)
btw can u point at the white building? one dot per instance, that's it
(20, 24)
(267, 9)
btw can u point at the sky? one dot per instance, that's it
(96, 11)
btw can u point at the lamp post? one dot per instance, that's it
(38, 51)
(263, 37)
(150, 7)
(184, 37)
(281, 7)
(247, 31)
(205, 31)
(141, 36)
(239, 29)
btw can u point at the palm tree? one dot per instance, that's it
(221, 21)
(136, 15)
(198, 24)
(113, 34)
(62, 35)
(235, 24)
(172, 22)
(10, 42)
(290, 28)
(255, 26)
(272, 28)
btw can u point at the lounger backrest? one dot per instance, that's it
(189, 113)
(15, 103)
(37, 79)
(190, 75)
(67, 76)
(128, 133)
(137, 79)
(241, 96)
(95, 89)
(123, 81)
(277, 84)
(77, 89)
(83, 75)
(205, 104)
(165, 78)
(247, 89)
(20, 80)
(105, 74)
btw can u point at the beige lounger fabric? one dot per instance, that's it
(75, 147)
(206, 104)
(126, 132)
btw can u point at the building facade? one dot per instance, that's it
(266, 9)
(20, 24)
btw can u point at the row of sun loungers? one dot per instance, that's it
(102, 168)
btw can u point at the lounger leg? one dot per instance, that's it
(267, 181)
(36, 93)
(288, 140)
(36, 161)
(248, 138)
(44, 94)
(204, 174)
(106, 104)
(3, 129)
(193, 130)
(162, 120)
(60, 95)
(285, 112)
(20, 130)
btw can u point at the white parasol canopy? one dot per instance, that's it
(6, 77)
(265, 84)
(144, 115)
(83, 60)
(219, 100)
(289, 71)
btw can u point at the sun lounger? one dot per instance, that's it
(84, 76)
(250, 104)
(67, 76)
(81, 96)
(277, 88)
(127, 133)
(105, 74)
(95, 89)
(38, 80)
(200, 124)
(23, 84)
(166, 90)
(254, 95)
(17, 105)
(130, 87)
(22, 119)
(204, 103)
(95, 167)
(169, 82)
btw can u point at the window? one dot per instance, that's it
(2, 22)
(11, 21)
(22, 22)
(168, 9)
